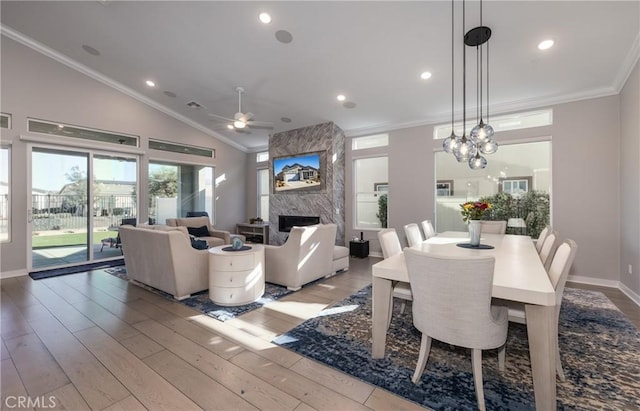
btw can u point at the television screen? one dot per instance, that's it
(300, 172)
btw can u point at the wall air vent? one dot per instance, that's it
(180, 148)
(195, 104)
(66, 130)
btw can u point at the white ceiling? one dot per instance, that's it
(373, 52)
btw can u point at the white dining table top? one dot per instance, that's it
(518, 274)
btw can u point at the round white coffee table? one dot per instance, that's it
(236, 277)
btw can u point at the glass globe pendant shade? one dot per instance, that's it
(449, 143)
(477, 162)
(488, 147)
(481, 133)
(464, 150)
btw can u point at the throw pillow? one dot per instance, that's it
(198, 231)
(199, 244)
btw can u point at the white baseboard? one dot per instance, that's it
(15, 273)
(594, 281)
(630, 293)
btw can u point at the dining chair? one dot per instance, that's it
(543, 234)
(558, 273)
(413, 234)
(551, 242)
(493, 227)
(428, 229)
(390, 243)
(437, 281)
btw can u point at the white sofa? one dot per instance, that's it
(162, 257)
(307, 255)
(214, 237)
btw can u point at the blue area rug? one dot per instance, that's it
(201, 302)
(599, 347)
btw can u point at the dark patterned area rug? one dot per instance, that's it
(599, 346)
(201, 302)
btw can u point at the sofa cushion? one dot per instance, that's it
(198, 231)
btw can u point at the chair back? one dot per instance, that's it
(389, 242)
(543, 234)
(494, 227)
(452, 299)
(428, 229)
(551, 242)
(413, 234)
(560, 266)
(129, 221)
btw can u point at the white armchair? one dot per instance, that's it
(307, 255)
(212, 236)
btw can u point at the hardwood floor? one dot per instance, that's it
(93, 341)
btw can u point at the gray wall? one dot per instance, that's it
(630, 182)
(585, 187)
(36, 86)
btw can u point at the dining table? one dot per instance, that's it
(519, 276)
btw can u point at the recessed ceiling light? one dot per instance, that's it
(546, 44)
(341, 97)
(265, 18)
(425, 75)
(150, 83)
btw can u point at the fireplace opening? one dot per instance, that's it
(285, 222)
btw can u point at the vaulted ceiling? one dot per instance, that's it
(371, 52)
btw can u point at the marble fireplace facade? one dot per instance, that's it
(328, 140)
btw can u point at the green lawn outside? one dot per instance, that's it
(60, 240)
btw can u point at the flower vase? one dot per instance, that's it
(475, 229)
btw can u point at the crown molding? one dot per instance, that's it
(61, 58)
(628, 65)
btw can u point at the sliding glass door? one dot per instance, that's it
(78, 199)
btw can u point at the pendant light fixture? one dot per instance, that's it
(480, 140)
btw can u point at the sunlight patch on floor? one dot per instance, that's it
(296, 309)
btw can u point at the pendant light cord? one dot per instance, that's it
(464, 77)
(452, 66)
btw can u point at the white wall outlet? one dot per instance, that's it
(630, 269)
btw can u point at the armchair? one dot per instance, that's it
(201, 225)
(307, 255)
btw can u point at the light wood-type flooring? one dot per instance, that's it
(93, 341)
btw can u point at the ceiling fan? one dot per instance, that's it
(242, 122)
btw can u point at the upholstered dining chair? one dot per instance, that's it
(551, 242)
(558, 273)
(437, 281)
(428, 229)
(390, 243)
(493, 227)
(543, 234)
(413, 234)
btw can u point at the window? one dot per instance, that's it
(262, 156)
(517, 181)
(175, 189)
(371, 176)
(515, 121)
(65, 130)
(182, 148)
(263, 194)
(378, 140)
(5, 188)
(5, 120)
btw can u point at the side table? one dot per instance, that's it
(359, 248)
(236, 277)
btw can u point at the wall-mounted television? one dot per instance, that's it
(299, 172)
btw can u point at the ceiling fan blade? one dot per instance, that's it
(260, 124)
(220, 117)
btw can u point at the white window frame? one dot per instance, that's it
(7, 146)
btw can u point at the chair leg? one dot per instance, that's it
(502, 353)
(559, 369)
(390, 311)
(425, 347)
(476, 362)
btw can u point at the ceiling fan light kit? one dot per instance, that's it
(241, 122)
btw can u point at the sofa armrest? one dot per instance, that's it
(225, 235)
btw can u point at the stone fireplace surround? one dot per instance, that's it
(328, 204)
